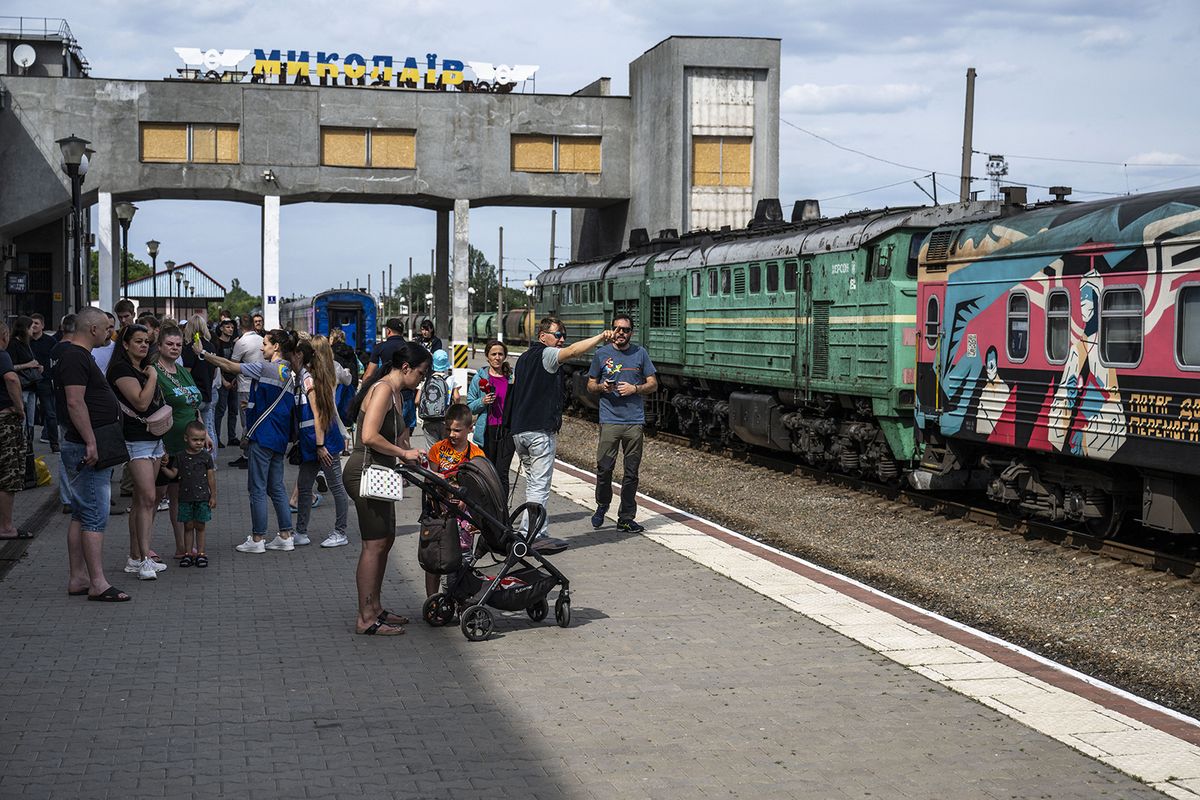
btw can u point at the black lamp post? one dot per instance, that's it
(183, 297)
(152, 249)
(125, 212)
(73, 150)
(175, 299)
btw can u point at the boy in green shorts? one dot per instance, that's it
(197, 493)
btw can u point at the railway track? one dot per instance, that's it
(1171, 556)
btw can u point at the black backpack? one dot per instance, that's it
(435, 398)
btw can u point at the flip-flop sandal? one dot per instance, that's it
(381, 628)
(392, 618)
(201, 560)
(110, 595)
(20, 535)
(186, 561)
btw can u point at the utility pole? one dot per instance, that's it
(964, 185)
(411, 306)
(553, 225)
(391, 293)
(500, 290)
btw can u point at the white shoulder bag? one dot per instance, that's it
(379, 482)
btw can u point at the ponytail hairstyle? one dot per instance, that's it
(318, 360)
(505, 367)
(411, 355)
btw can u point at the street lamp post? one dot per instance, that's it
(152, 249)
(530, 285)
(175, 297)
(183, 297)
(170, 265)
(125, 212)
(429, 304)
(73, 151)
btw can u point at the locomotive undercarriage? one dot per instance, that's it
(1041, 488)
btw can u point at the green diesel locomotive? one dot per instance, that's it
(797, 336)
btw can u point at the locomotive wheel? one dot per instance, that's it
(1109, 523)
(477, 623)
(438, 610)
(538, 611)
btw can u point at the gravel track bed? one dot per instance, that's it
(1131, 627)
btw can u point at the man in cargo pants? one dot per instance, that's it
(621, 373)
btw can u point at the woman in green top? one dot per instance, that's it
(182, 395)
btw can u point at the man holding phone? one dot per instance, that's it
(622, 374)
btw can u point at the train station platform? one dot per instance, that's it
(698, 664)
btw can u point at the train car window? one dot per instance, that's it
(755, 279)
(772, 277)
(1018, 326)
(933, 321)
(1187, 326)
(881, 262)
(1058, 327)
(726, 280)
(1120, 325)
(914, 255)
(712, 282)
(695, 283)
(789, 276)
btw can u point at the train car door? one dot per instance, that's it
(798, 275)
(349, 319)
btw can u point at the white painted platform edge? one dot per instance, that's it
(1169, 764)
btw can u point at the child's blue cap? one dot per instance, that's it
(441, 361)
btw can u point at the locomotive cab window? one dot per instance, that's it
(726, 280)
(695, 283)
(712, 282)
(1120, 325)
(772, 277)
(914, 255)
(755, 279)
(1018, 326)
(789, 276)
(1058, 327)
(932, 321)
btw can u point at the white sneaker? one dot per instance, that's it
(164, 505)
(335, 539)
(147, 572)
(251, 546)
(280, 543)
(300, 539)
(132, 566)
(158, 565)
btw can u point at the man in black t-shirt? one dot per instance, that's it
(227, 398)
(41, 344)
(88, 403)
(382, 353)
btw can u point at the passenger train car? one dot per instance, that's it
(353, 311)
(1054, 362)
(1060, 360)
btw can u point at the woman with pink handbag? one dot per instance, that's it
(371, 480)
(145, 417)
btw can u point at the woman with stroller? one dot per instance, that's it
(383, 437)
(485, 396)
(321, 439)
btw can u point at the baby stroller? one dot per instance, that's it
(526, 575)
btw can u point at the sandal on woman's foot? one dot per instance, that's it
(381, 628)
(186, 560)
(110, 595)
(201, 560)
(392, 618)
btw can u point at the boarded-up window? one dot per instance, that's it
(394, 149)
(540, 153)
(164, 143)
(721, 160)
(344, 147)
(533, 153)
(182, 143)
(579, 154)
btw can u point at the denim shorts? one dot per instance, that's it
(88, 490)
(138, 450)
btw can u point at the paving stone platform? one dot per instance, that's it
(244, 680)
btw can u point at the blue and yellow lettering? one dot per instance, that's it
(355, 66)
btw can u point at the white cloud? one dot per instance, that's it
(1157, 158)
(1107, 37)
(811, 98)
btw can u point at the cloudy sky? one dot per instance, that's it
(1095, 94)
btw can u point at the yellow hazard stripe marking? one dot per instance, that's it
(460, 356)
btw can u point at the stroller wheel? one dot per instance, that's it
(562, 611)
(438, 610)
(538, 611)
(476, 623)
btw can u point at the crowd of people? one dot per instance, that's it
(152, 397)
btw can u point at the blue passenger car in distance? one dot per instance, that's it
(351, 310)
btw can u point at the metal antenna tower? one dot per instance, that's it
(997, 168)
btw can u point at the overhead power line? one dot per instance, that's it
(1091, 161)
(862, 153)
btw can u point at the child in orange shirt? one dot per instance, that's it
(445, 457)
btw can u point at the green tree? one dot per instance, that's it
(137, 269)
(484, 280)
(238, 301)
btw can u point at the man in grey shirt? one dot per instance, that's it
(246, 350)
